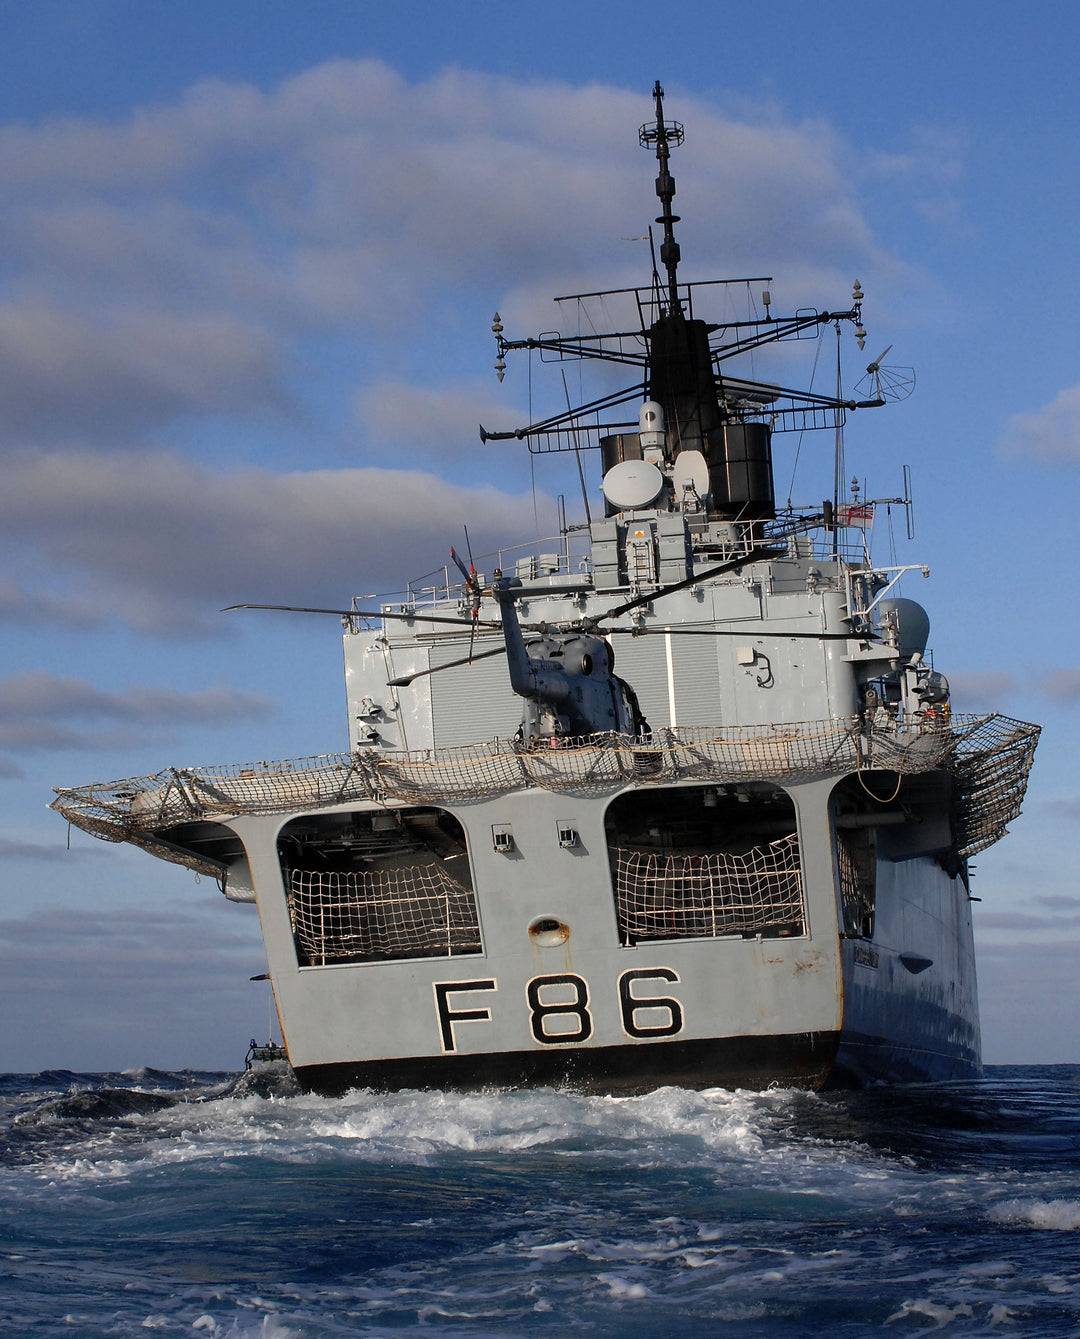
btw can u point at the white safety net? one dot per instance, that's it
(418, 912)
(989, 756)
(673, 895)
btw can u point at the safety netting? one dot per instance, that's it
(764, 753)
(989, 755)
(673, 895)
(856, 863)
(468, 772)
(991, 759)
(351, 916)
(115, 809)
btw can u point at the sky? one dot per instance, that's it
(249, 256)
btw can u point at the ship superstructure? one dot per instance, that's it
(676, 797)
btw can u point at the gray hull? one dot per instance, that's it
(905, 1021)
(804, 1004)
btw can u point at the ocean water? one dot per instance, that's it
(209, 1206)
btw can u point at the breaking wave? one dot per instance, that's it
(208, 1205)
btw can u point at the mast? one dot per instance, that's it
(682, 378)
(663, 137)
(729, 421)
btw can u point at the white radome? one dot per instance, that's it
(632, 483)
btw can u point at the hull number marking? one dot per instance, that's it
(448, 1016)
(631, 1004)
(559, 1007)
(575, 1008)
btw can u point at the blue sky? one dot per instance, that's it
(249, 254)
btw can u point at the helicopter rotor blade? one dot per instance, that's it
(472, 585)
(759, 551)
(470, 580)
(368, 613)
(403, 680)
(742, 632)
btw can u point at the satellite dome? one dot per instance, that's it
(632, 483)
(912, 624)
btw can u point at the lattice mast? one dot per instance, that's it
(729, 420)
(681, 377)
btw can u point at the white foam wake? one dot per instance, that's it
(1055, 1215)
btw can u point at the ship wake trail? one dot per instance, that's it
(538, 1211)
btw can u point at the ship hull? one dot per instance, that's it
(803, 1060)
(911, 1013)
(599, 1005)
(754, 913)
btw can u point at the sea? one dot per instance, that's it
(216, 1205)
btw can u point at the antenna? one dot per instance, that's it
(577, 452)
(664, 138)
(906, 501)
(885, 383)
(909, 505)
(655, 271)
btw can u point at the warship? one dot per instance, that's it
(675, 797)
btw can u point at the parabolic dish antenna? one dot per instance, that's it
(691, 471)
(632, 483)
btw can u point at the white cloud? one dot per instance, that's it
(1058, 903)
(1061, 685)
(435, 423)
(166, 543)
(62, 375)
(35, 704)
(11, 849)
(32, 608)
(934, 152)
(275, 259)
(990, 690)
(1017, 921)
(39, 692)
(1050, 434)
(169, 264)
(929, 171)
